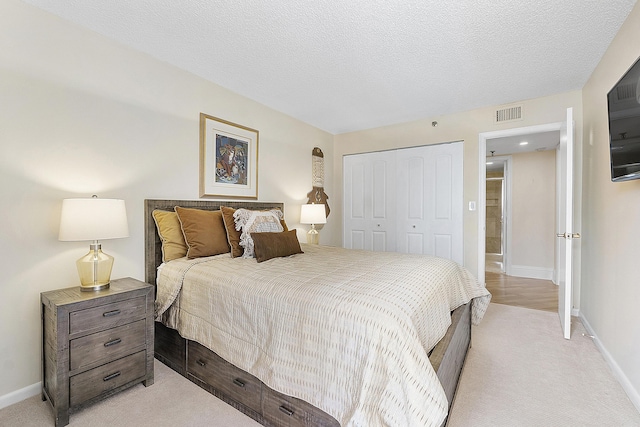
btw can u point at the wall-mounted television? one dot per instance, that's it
(624, 126)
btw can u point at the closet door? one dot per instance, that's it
(369, 201)
(429, 201)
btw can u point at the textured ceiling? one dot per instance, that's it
(351, 65)
(541, 141)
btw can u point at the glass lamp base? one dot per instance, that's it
(92, 288)
(313, 237)
(94, 269)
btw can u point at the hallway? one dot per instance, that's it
(522, 292)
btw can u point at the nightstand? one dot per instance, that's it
(95, 344)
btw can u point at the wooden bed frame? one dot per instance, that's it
(255, 399)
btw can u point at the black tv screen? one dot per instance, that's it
(624, 126)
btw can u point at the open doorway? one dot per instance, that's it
(521, 219)
(505, 259)
(502, 138)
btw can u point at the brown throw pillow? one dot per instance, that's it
(203, 231)
(233, 235)
(170, 232)
(271, 245)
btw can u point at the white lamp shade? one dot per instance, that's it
(313, 214)
(93, 219)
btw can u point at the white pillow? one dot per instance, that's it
(249, 221)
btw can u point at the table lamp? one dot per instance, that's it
(93, 219)
(313, 214)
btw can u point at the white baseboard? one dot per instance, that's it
(20, 395)
(634, 395)
(531, 272)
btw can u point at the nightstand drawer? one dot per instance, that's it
(223, 376)
(105, 346)
(107, 377)
(107, 316)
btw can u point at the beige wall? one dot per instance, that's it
(80, 115)
(464, 126)
(533, 216)
(611, 222)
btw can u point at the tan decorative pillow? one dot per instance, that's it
(203, 232)
(272, 245)
(233, 235)
(248, 221)
(170, 232)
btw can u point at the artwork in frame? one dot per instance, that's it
(228, 159)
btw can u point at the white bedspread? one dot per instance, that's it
(347, 331)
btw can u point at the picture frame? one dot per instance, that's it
(228, 159)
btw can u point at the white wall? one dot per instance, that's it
(80, 114)
(611, 223)
(533, 218)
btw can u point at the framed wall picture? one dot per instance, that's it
(228, 159)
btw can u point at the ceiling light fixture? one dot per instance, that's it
(524, 143)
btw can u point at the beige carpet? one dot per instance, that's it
(520, 372)
(171, 401)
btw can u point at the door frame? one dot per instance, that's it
(482, 177)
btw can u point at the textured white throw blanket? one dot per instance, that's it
(347, 331)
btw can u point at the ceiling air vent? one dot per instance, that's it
(508, 114)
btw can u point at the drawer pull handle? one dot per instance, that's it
(111, 313)
(201, 363)
(239, 382)
(286, 410)
(112, 342)
(111, 376)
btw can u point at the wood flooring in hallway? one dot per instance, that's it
(530, 293)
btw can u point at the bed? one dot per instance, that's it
(318, 345)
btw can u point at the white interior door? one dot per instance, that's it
(405, 200)
(369, 201)
(429, 199)
(565, 233)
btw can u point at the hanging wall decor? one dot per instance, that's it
(228, 159)
(317, 194)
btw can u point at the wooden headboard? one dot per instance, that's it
(152, 244)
